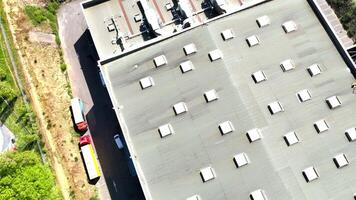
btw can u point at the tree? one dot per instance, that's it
(23, 176)
(6, 91)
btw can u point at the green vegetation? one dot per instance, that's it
(47, 15)
(346, 11)
(22, 176)
(22, 173)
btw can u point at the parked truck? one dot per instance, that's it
(77, 107)
(90, 161)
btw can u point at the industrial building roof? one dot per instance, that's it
(196, 155)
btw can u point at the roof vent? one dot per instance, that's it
(227, 34)
(314, 70)
(259, 76)
(253, 135)
(226, 127)
(333, 102)
(241, 159)
(165, 130)
(160, 61)
(252, 41)
(263, 21)
(351, 134)
(258, 195)
(303, 95)
(287, 65)
(215, 55)
(111, 27)
(291, 138)
(310, 174)
(180, 108)
(340, 160)
(207, 174)
(321, 126)
(289, 26)
(194, 197)
(211, 95)
(189, 49)
(186, 66)
(275, 107)
(147, 82)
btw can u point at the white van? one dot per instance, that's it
(118, 141)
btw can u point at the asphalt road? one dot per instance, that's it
(116, 181)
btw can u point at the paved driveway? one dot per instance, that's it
(80, 54)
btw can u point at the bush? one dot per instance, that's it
(346, 12)
(37, 15)
(6, 91)
(63, 67)
(3, 74)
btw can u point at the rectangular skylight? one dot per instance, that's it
(263, 21)
(186, 66)
(165, 130)
(227, 34)
(241, 159)
(226, 127)
(259, 76)
(304, 95)
(169, 6)
(314, 70)
(310, 174)
(289, 26)
(252, 41)
(287, 65)
(147, 82)
(160, 60)
(333, 102)
(210, 95)
(194, 197)
(207, 174)
(340, 160)
(189, 49)
(291, 138)
(111, 27)
(215, 55)
(321, 126)
(253, 135)
(180, 108)
(258, 195)
(137, 17)
(275, 107)
(351, 134)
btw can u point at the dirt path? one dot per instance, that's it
(47, 88)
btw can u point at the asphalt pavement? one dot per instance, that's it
(117, 181)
